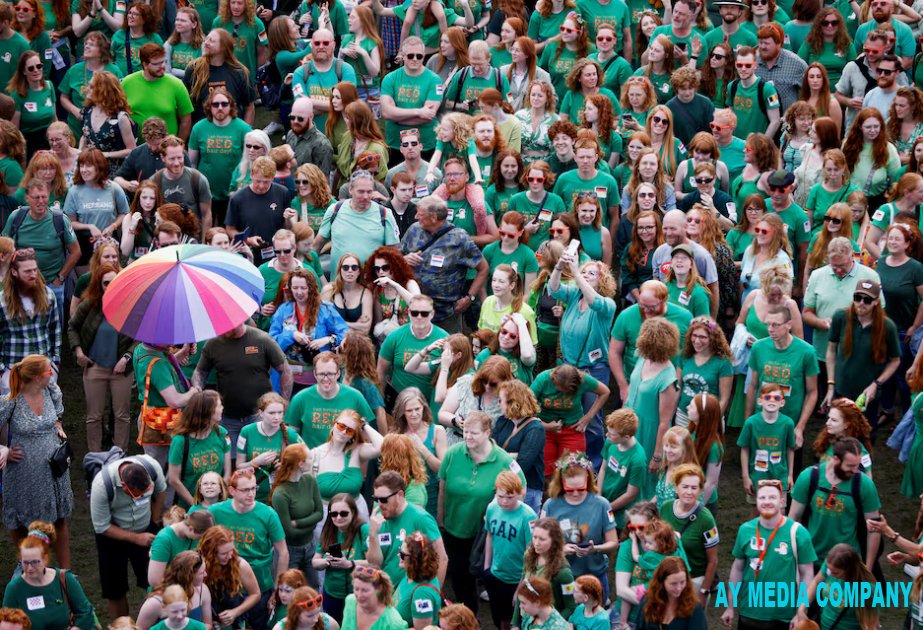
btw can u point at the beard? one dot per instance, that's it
(841, 473)
(484, 146)
(648, 315)
(766, 514)
(886, 82)
(455, 188)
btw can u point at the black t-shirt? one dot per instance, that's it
(234, 81)
(141, 164)
(261, 213)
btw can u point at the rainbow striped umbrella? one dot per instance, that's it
(182, 294)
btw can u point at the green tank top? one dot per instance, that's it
(348, 480)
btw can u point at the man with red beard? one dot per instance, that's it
(487, 141)
(467, 208)
(881, 96)
(652, 302)
(764, 545)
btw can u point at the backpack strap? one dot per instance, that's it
(516, 429)
(814, 479)
(182, 466)
(62, 579)
(458, 86)
(760, 97)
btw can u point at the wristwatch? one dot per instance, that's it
(704, 591)
(472, 297)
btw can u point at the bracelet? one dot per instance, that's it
(831, 382)
(894, 538)
(455, 422)
(657, 458)
(352, 565)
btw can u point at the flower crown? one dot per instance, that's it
(578, 459)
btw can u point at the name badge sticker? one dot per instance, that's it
(545, 215)
(267, 252)
(384, 539)
(35, 603)
(421, 191)
(437, 261)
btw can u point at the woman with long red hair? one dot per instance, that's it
(670, 598)
(362, 135)
(342, 94)
(561, 54)
(394, 287)
(501, 50)
(873, 161)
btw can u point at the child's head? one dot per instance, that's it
(509, 490)
(621, 425)
(772, 398)
(210, 487)
(123, 623)
(175, 603)
(588, 590)
(173, 515)
(271, 408)
(658, 536)
(288, 582)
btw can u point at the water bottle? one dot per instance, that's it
(861, 402)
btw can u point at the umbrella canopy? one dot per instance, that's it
(182, 294)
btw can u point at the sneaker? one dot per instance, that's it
(273, 127)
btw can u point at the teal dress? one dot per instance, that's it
(591, 240)
(644, 398)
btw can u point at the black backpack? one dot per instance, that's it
(57, 217)
(269, 85)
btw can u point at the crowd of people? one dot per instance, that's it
(528, 268)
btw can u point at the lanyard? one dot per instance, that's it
(756, 571)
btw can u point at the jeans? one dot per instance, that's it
(59, 300)
(299, 557)
(534, 499)
(233, 427)
(595, 434)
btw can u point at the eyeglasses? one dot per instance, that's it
(37, 66)
(647, 228)
(833, 220)
(659, 120)
(287, 250)
(384, 499)
(385, 267)
(453, 175)
(414, 313)
(758, 3)
(772, 397)
(341, 514)
(565, 29)
(693, 220)
(30, 563)
(536, 180)
(221, 104)
(865, 299)
(743, 65)
(402, 555)
(505, 234)
(753, 209)
(646, 195)
(322, 42)
(704, 180)
(412, 143)
(349, 267)
(512, 334)
(604, 38)
(762, 231)
(302, 182)
(886, 71)
(295, 118)
(574, 488)
(416, 56)
(312, 603)
(348, 430)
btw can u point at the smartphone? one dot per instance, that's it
(681, 46)
(336, 550)
(242, 236)
(584, 545)
(573, 246)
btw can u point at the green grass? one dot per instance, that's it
(733, 509)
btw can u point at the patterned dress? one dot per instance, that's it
(29, 490)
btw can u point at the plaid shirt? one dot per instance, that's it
(391, 30)
(40, 334)
(785, 76)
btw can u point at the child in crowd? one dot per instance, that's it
(624, 464)
(767, 443)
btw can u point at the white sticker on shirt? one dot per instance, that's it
(421, 191)
(30, 106)
(440, 89)
(711, 537)
(423, 606)
(450, 215)
(241, 443)
(866, 461)
(761, 460)
(384, 539)
(437, 261)
(807, 225)
(878, 216)
(613, 464)
(684, 298)
(565, 524)
(545, 215)
(595, 355)
(514, 466)
(35, 603)
(568, 589)
(298, 90)
(601, 192)
(775, 457)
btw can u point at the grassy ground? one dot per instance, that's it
(733, 510)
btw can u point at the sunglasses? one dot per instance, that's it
(756, 3)
(384, 267)
(886, 71)
(402, 555)
(302, 182)
(414, 313)
(772, 483)
(833, 220)
(604, 38)
(412, 143)
(383, 500)
(371, 571)
(256, 147)
(535, 180)
(296, 118)
(777, 188)
(322, 42)
(287, 250)
(505, 234)
(343, 514)
(717, 127)
(556, 231)
(659, 120)
(762, 231)
(718, 56)
(350, 267)
(704, 180)
(221, 104)
(312, 603)
(509, 333)
(865, 299)
(575, 488)
(106, 283)
(872, 51)
(772, 397)
(414, 56)
(23, 9)
(693, 220)
(348, 430)
(565, 29)
(829, 22)
(646, 195)
(37, 66)
(744, 66)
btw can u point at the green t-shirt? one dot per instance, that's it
(418, 601)
(623, 468)
(750, 116)
(819, 199)
(768, 444)
(550, 205)
(900, 285)
(554, 405)
(520, 371)
(559, 67)
(522, 259)
(510, 533)
(312, 416)
(42, 237)
(167, 545)
(253, 442)
(11, 49)
(697, 535)
(574, 101)
(696, 302)
(12, 172)
(613, 13)
(628, 324)
(667, 29)
(74, 86)
(165, 98)
(410, 93)
(338, 582)
(314, 215)
(162, 375)
(469, 487)
(832, 615)
(857, 371)
(662, 86)
(616, 69)
(834, 520)
(472, 86)
(205, 455)
(698, 379)
(544, 28)
(788, 368)
(182, 54)
(363, 78)
(716, 36)
(398, 348)
(36, 108)
(829, 57)
(254, 535)
(779, 564)
(219, 150)
(393, 532)
(247, 37)
(604, 185)
(430, 34)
